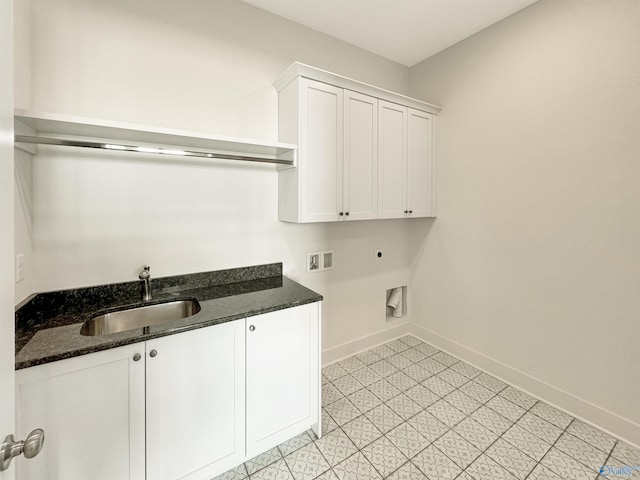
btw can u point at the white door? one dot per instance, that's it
(195, 403)
(87, 405)
(282, 375)
(360, 179)
(320, 151)
(392, 160)
(7, 418)
(420, 164)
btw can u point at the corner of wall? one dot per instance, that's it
(23, 221)
(22, 53)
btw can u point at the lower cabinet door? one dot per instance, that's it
(282, 375)
(92, 411)
(195, 402)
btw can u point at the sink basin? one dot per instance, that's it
(139, 317)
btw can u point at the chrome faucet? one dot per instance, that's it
(145, 276)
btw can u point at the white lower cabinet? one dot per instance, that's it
(195, 402)
(92, 411)
(175, 407)
(282, 376)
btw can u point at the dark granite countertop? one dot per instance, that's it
(48, 325)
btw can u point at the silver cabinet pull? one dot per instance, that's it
(137, 357)
(252, 328)
(30, 447)
(153, 353)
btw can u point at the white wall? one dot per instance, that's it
(532, 268)
(23, 221)
(22, 187)
(7, 419)
(204, 66)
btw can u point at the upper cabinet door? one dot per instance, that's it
(195, 403)
(392, 160)
(420, 188)
(360, 178)
(320, 150)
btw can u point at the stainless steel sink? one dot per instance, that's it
(139, 317)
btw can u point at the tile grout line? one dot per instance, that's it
(456, 386)
(362, 414)
(500, 436)
(539, 462)
(615, 444)
(383, 434)
(482, 452)
(432, 443)
(402, 391)
(442, 398)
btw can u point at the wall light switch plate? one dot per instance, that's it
(19, 267)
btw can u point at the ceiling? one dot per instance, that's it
(405, 31)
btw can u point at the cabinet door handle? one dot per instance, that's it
(341, 213)
(406, 211)
(252, 328)
(410, 211)
(137, 357)
(153, 353)
(347, 214)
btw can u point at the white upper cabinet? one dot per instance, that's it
(363, 152)
(405, 169)
(321, 140)
(392, 167)
(360, 148)
(420, 175)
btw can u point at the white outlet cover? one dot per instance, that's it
(19, 267)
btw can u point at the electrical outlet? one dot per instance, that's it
(378, 254)
(19, 267)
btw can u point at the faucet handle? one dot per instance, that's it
(145, 273)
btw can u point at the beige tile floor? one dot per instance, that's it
(406, 410)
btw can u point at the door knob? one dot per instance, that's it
(30, 447)
(153, 353)
(252, 328)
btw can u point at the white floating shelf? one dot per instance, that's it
(111, 135)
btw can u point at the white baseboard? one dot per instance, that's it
(610, 422)
(333, 354)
